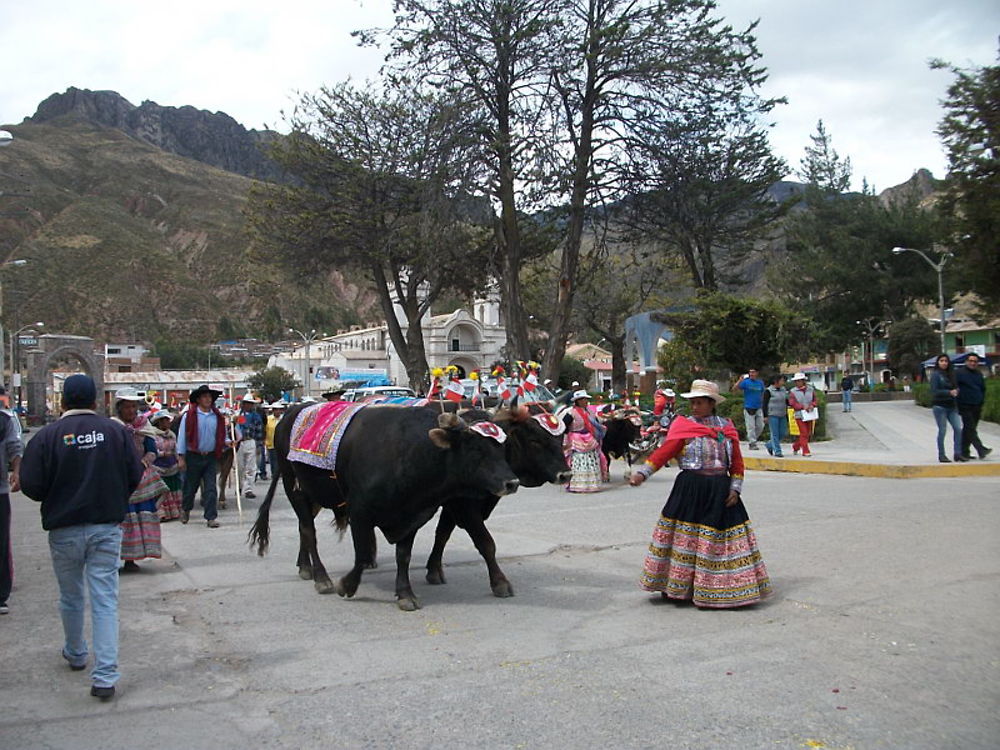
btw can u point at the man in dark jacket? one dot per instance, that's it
(82, 469)
(971, 395)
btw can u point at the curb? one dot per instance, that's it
(882, 471)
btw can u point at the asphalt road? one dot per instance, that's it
(882, 633)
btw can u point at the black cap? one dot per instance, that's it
(79, 392)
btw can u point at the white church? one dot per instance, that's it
(467, 338)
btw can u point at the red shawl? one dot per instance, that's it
(683, 428)
(191, 430)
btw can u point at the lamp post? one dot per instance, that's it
(13, 359)
(871, 327)
(308, 340)
(6, 264)
(939, 268)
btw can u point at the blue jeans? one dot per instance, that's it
(777, 427)
(846, 400)
(272, 456)
(944, 416)
(89, 552)
(201, 471)
(261, 459)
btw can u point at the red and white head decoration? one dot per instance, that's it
(490, 430)
(550, 423)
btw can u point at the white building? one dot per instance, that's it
(468, 339)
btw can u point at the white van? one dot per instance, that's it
(360, 394)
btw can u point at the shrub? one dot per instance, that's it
(991, 407)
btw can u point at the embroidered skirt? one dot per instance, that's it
(702, 550)
(141, 527)
(168, 507)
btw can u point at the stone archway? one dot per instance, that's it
(51, 348)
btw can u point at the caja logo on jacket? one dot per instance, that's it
(85, 440)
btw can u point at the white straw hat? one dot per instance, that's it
(704, 389)
(128, 394)
(579, 394)
(799, 376)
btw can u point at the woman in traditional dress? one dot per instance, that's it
(141, 527)
(582, 446)
(168, 507)
(703, 549)
(802, 398)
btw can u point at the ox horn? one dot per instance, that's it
(450, 421)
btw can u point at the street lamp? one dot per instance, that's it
(13, 360)
(308, 340)
(939, 268)
(5, 264)
(871, 326)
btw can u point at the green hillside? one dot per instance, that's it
(126, 240)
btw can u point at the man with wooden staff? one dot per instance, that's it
(201, 439)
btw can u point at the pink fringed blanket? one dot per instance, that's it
(318, 430)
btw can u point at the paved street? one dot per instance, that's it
(882, 633)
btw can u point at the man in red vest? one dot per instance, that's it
(201, 438)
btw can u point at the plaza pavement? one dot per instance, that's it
(890, 439)
(883, 631)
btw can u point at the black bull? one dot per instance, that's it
(415, 495)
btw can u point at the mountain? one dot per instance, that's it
(213, 138)
(127, 240)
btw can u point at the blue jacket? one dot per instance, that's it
(82, 468)
(971, 386)
(940, 387)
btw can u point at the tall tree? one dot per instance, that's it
(822, 167)
(970, 131)
(627, 65)
(498, 55)
(564, 85)
(702, 191)
(379, 182)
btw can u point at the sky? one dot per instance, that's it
(859, 65)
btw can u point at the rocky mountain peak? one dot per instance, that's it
(212, 138)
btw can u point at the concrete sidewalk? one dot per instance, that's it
(892, 439)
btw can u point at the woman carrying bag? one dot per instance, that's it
(802, 398)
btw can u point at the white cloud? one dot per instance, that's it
(860, 65)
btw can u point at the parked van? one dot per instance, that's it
(360, 394)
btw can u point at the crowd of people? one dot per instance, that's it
(106, 485)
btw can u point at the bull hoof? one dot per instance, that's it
(502, 589)
(371, 566)
(222, 504)
(343, 589)
(326, 587)
(435, 577)
(408, 604)
(305, 574)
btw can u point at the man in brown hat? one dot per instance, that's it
(201, 439)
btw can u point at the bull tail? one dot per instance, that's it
(260, 532)
(341, 519)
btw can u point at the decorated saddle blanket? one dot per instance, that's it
(318, 430)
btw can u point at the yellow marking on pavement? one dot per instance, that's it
(882, 471)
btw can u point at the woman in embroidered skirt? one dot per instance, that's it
(168, 507)
(141, 527)
(582, 446)
(704, 549)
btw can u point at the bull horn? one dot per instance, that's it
(450, 421)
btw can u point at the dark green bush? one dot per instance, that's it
(991, 407)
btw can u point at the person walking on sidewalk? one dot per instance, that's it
(82, 469)
(971, 395)
(753, 396)
(802, 398)
(943, 392)
(201, 438)
(249, 433)
(11, 448)
(775, 408)
(847, 392)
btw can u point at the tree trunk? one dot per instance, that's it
(619, 367)
(409, 346)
